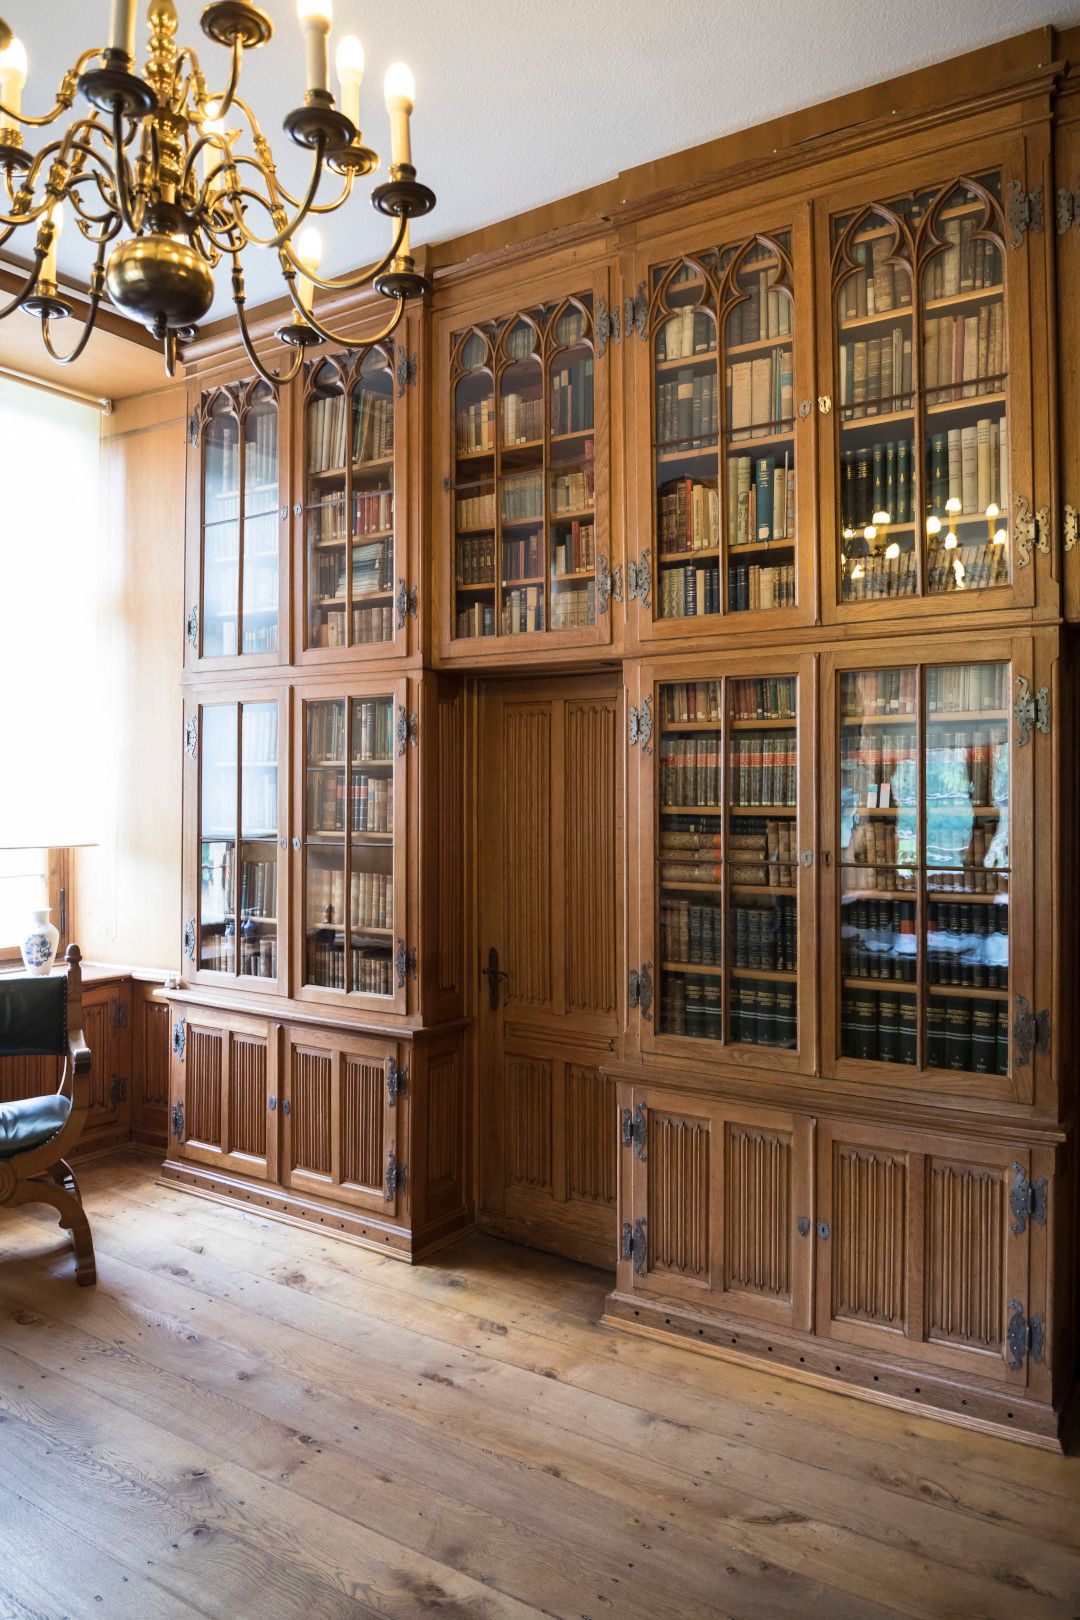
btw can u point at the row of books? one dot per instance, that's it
(372, 800)
(258, 887)
(969, 264)
(760, 394)
(967, 766)
(874, 375)
(371, 625)
(371, 970)
(523, 558)
(760, 499)
(686, 407)
(964, 355)
(372, 896)
(966, 689)
(761, 1012)
(372, 570)
(522, 496)
(874, 855)
(878, 288)
(572, 397)
(259, 733)
(219, 637)
(762, 850)
(221, 464)
(771, 697)
(878, 939)
(765, 313)
(691, 1004)
(478, 619)
(766, 935)
(870, 757)
(476, 511)
(328, 430)
(476, 561)
(879, 1026)
(687, 331)
(967, 568)
(258, 955)
(522, 418)
(867, 693)
(476, 427)
(691, 934)
(574, 606)
(970, 464)
(688, 512)
(763, 770)
(873, 578)
(756, 586)
(523, 610)
(968, 945)
(968, 870)
(878, 478)
(688, 590)
(372, 513)
(690, 770)
(572, 489)
(372, 730)
(574, 549)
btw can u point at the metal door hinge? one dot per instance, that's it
(639, 578)
(1027, 1200)
(404, 371)
(635, 312)
(191, 737)
(177, 1121)
(405, 603)
(604, 583)
(1031, 1032)
(397, 1082)
(404, 962)
(1068, 209)
(1025, 210)
(118, 1013)
(189, 939)
(1032, 531)
(633, 1246)
(407, 728)
(634, 1130)
(640, 721)
(395, 1176)
(179, 1036)
(1031, 709)
(602, 327)
(191, 626)
(193, 428)
(1024, 1338)
(1070, 527)
(117, 1090)
(640, 990)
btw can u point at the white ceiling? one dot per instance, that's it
(519, 102)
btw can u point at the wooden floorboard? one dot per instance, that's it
(247, 1419)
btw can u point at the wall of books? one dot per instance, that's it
(924, 866)
(349, 502)
(723, 431)
(921, 388)
(524, 448)
(726, 860)
(348, 881)
(240, 524)
(238, 839)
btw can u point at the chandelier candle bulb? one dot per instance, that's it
(122, 27)
(309, 252)
(48, 268)
(399, 92)
(13, 68)
(213, 157)
(316, 17)
(350, 72)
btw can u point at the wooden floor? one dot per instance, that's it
(248, 1420)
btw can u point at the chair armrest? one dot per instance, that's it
(78, 1050)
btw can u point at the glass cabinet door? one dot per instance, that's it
(351, 854)
(525, 554)
(721, 328)
(921, 393)
(726, 886)
(239, 810)
(240, 588)
(349, 510)
(924, 797)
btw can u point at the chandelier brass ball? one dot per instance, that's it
(160, 280)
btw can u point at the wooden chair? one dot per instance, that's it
(42, 1017)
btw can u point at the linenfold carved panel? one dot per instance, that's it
(203, 1086)
(363, 1100)
(757, 1211)
(153, 1068)
(679, 1195)
(868, 1238)
(247, 1096)
(528, 1122)
(590, 1135)
(445, 1114)
(527, 852)
(965, 1253)
(310, 1111)
(591, 867)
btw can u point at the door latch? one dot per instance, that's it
(494, 976)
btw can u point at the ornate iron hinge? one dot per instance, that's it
(191, 737)
(1031, 709)
(602, 327)
(635, 312)
(634, 1130)
(406, 729)
(1024, 1338)
(405, 603)
(117, 1090)
(1032, 531)
(1025, 211)
(404, 962)
(193, 428)
(640, 990)
(603, 583)
(1027, 1200)
(1068, 209)
(191, 626)
(633, 1245)
(189, 939)
(640, 721)
(397, 1082)
(118, 1013)
(1031, 1032)
(1070, 527)
(395, 1176)
(639, 578)
(179, 1036)
(177, 1121)
(404, 371)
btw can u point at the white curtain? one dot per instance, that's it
(50, 449)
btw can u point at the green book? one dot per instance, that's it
(888, 1023)
(935, 1033)
(766, 1014)
(748, 1010)
(848, 1032)
(787, 1017)
(865, 1025)
(890, 481)
(879, 477)
(903, 482)
(984, 1020)
(1002, 1037)
(958, 1033)
(908, 1026)
(939, 472)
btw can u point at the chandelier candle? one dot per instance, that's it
(13, 67)
(350, 72)
(122, 28)
(316, 17)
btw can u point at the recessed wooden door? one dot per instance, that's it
(550, 915)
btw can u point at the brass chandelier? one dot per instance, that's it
(165, 190)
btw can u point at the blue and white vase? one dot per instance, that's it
(39, 943)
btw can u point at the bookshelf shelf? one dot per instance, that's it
(769, 974)
(968, 992)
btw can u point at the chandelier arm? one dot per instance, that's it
(287, 230)
(121, 164)
(26, 288)
(96, 282)
(224, 102)
(337, 337)
(274, 379)
(357, 278)
(65, 96)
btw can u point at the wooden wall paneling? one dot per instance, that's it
(224, 1075)
(441, 857)
(1066, 313)
(150, 1037)
(439, 1152)
(340, 1126)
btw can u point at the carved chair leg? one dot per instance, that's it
(66, 1200)
(62, 1173)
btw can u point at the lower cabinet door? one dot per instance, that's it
(224, 1078)
(923, 1248)
(719, 1204)
(342, 1097)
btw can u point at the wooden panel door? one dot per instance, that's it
(341, 1102)
(225, 1081)
(717, 1204)
(107, 1028)
(550, 913)
(920, 1250)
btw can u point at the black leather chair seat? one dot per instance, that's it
(28, 1123)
